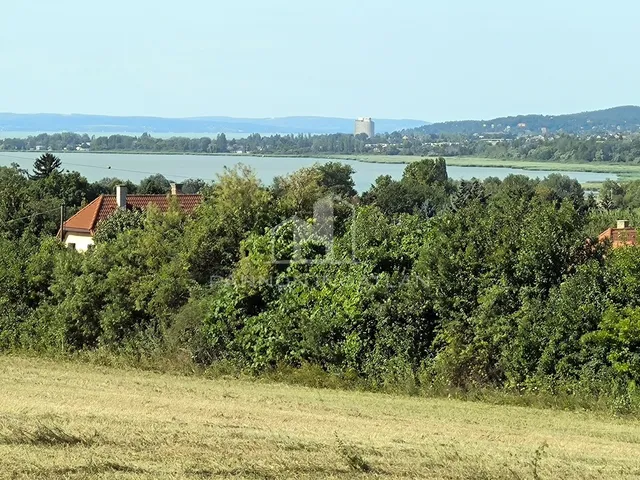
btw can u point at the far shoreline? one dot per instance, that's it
(623, 171)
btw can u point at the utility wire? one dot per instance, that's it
(86, 166)
(28, 217)
(110, 168)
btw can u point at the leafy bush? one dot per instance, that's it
(425, 286)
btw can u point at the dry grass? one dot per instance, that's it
(73, 420)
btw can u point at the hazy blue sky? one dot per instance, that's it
(444, 60)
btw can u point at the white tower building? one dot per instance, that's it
(365, 125)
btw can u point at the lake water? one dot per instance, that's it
(96, 166)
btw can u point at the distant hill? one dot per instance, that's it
(12, 122)
(613, 119)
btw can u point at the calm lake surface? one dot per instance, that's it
(96, 166)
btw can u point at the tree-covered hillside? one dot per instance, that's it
(625, 119)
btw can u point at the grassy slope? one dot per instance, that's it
(69, 420)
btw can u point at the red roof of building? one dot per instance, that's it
(87, 219)
(620, 237)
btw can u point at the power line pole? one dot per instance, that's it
(62, 215)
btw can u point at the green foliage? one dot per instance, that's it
(574, 309)
(131, 284)
(32, 207)
(121, 221)
(557, 187)
(425, 284)
(236, 205)
(467, 193)
(623, 277)
(108, 185)
(611, 195)
(550, 240)
(221, 145)
(337, 178)
(46, 165)
(296, 194)
(154, 185)
(193, 185)
(585, 146)
(619, 335)
(426, 172)
(424, 188)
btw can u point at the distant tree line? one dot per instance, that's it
(616, 148)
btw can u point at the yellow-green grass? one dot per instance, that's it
(620, 169)
(592, 186)
(74, 420)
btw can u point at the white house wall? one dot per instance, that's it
(82, 241)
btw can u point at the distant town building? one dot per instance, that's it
(365, 125)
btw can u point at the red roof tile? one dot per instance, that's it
(86, 220)
(620, 237)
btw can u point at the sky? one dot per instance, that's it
(419, 59)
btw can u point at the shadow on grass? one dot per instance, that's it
(51, 435)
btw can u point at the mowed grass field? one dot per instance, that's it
(74, 420)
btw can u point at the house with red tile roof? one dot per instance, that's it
(621, 236)
(78, 231)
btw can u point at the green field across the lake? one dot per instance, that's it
(624, 170)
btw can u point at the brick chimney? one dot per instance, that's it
(176, 189)
(121, 197)
(622, 224)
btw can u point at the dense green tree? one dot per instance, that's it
(121, 221)
(221, 143)
(391, 196)
(297, 193)
(466, 193)
(193, 185)
(119, 290)
(29, 206)
(237, 205)
(557, 187)
(555, 347)
(337, 178)
(107, 186)
(611, 195)
(155, 185)
(426, 172)
(619, 337)
(46, 165)
(424, 188)
(15, 202)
